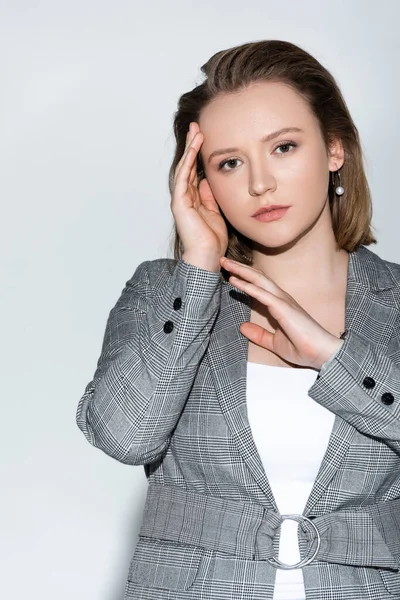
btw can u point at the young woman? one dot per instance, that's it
(261, 393)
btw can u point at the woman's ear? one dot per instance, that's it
(336, 154)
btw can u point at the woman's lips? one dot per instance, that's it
(272, 215)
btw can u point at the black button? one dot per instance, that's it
(369, 382)
(168, 326)
(177, 303)
(387, 398)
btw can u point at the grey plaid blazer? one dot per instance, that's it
(169, 393)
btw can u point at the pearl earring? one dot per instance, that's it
(339, 190)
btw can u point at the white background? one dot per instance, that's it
(88, 90)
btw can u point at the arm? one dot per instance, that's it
(371, 405)
(145, 370)
(328, 362)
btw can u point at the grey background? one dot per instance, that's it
(88, 89)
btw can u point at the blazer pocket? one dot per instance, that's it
(163, 564)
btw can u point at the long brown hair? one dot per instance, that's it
(236, 68)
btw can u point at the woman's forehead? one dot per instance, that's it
(267, 105)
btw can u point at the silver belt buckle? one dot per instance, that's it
(277, 563)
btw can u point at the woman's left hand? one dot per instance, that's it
(298, 338)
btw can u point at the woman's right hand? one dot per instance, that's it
(199, 222)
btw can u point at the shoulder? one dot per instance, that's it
(394, 269)
(375, 272)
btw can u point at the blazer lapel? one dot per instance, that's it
(227, 355)
(228, 350)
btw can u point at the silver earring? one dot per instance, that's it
(339, 190)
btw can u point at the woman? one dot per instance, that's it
(263, 391)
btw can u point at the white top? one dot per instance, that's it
(291, 432)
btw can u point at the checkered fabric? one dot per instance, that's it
(169, 393)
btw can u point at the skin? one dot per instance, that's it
(263, 174)
(296, 266)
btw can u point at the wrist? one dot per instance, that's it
(202, 262)
(330, 351)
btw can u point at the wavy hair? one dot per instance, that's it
(236, 68)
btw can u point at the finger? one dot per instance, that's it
(188, 159)
(256, 291)
(191, 134)
(256, 276)
(258, 335)
(193, 174)
(247, 273)
(183, 174)
(238, 267)
(189, 139)
(207, 197)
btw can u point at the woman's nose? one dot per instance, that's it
(260, 180)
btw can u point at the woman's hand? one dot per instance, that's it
(298, 338)
(199, 222)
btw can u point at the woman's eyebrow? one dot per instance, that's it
(266, 138)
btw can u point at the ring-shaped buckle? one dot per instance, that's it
(277, 563)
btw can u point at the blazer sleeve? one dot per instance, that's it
(362, 385)
(155, 338)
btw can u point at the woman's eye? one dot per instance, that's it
(231, 161)
(286, 145)
(227, 162)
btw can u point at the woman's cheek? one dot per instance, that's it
(236, 204)
(226, 194)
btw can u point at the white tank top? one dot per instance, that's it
(291, 432)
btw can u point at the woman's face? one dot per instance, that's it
(292, 168)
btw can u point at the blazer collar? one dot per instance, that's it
(227, 354)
